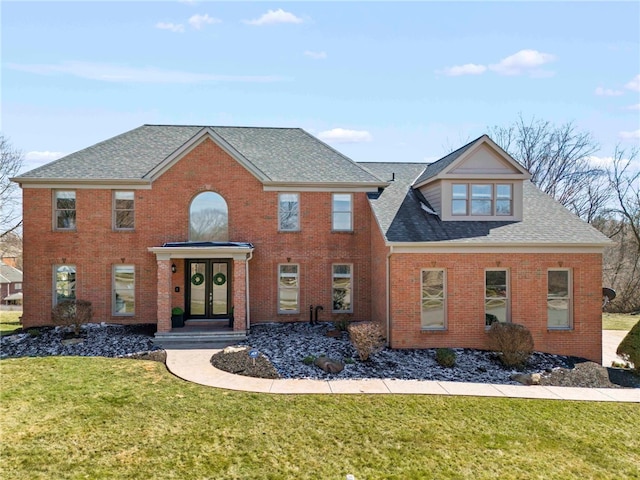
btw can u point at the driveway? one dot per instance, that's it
(610, 341)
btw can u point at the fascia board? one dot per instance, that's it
(367, 187)
(167, 253)
(503, 247)
(79, 183)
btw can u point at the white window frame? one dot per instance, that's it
(17, 285)
(469, 199)
(443, 299)
(72, 288)
(334, 276)
(507, 296)
(568, 298)
(296, 228)
(116, 210)
(56, 210)
(116, 290)
(295, 289)
(335, 213)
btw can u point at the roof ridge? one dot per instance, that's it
(217, 126)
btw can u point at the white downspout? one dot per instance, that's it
(246, 290)
(388, 293)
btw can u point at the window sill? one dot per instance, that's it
(342, 231)
(560, 329)
(65, 229)
(125, 230)
(433, 330)
(342, 312)
(289, 231)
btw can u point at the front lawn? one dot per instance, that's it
(619, 321)
(64, 417)
(9, 322)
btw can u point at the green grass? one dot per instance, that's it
(619, 321)
(9, 322)
(112, 418)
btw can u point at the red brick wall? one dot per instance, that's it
(528, 286)
(162, 216)
(379, 252)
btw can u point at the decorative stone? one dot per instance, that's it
(526, 378)
(234, 349)
(328, 365)
(72, 341)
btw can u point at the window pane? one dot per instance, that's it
(433, 301)
(288, 211)
(341, 221)
(342, 211)
(480, 207)
(558, 283)
(341, 288)
(459, 207)
(503, 207)
(66, 219)
(558, 299)
(459, 192)
(65, 200)
(208, 218)
(65, 209)
(342, 269)
(124, 286)
(288, 290)
(65, 282)
(341, 202)
(481, 191)
(503, 191)
(288, 300)
(124, 219)
(496, 301)
(558, 312)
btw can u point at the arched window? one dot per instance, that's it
(208, 218)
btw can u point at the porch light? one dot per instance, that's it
(174, 269)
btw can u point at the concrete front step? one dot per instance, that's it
(199, 339)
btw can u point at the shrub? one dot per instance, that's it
(308, 360)
(513, 342)
(177, 311)
(366, 338)
(629, 348)
(342, 324)
(72, 312)
(445, 357)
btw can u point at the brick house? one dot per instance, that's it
(10, 282)
(259, 224)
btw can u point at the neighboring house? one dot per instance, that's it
(10, 282)
(260, 224)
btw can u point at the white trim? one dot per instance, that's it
(452, 247)
(333, 187)
(167, 253)
(84, 183)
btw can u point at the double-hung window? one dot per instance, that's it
(482, 199)
(64, 210)
(342, 288)
(496, 297)
(288, 289)
(124, 292)
(123, 210)
(559, 299)
(342, 212)
(434, 296)
(288, 212)
(64, 283)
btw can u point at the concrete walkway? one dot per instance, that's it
(610, 341)
(194, 366)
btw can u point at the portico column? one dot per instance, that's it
(164, 295)
(239, 295)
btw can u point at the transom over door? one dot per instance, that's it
(208, 288)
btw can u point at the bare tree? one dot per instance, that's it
(10, 164)
(558, 158)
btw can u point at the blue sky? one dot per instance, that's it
(381, 81)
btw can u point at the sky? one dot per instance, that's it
(378, 81)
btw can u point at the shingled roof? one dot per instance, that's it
(278, 155)
(402, 219)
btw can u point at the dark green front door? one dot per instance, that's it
(208, 288)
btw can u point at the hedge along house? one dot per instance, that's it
(260, 224)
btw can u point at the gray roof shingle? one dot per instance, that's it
(402, 219)
(281, 154)
(9, 274)
(436, 167)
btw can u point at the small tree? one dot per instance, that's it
(629, 348)
(513, 342)
(10, 164)
(72, 313)
(367, 339)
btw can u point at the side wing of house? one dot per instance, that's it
(468, 241)
(254, 224)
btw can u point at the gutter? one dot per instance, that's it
(246, 290)
(388, 293)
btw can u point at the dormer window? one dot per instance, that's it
(482, 199)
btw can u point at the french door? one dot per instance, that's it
(208, 288)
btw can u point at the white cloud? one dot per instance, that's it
(198, 21)
(600, 162)
(316, 55)
(633, 107)
(274, 16)
(633, 135)
(120, 73)
(608, 92)
(342, 135)
(634, 84)
(524, 61)
(173, 27)
(466, 69)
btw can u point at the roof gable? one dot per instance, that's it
(273, 155)
(481, 157)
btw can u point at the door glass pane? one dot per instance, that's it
(219, 285)
(197, 304)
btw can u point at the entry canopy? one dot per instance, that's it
(235, 250)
